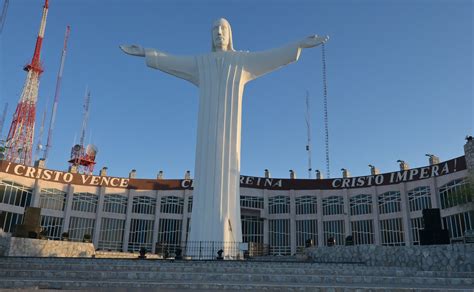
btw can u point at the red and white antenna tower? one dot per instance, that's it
(56, 95)
(84, 157)
(19, 143)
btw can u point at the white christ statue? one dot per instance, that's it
(221, 76)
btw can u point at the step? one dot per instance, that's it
(205, 286)
(231, 277)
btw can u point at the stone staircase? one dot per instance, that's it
(130, 274)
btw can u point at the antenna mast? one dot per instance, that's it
(87, 99)
(56, 95)
(308, 131)
(2, 119)
(39, 146)
(326, 119)
(4, 15)
(19, 143)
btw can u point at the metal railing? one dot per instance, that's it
(210, 250)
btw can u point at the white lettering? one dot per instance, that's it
(113, 180)
(47, 174)
(95, 180)
(124, 182)
(401, 176)
(8, 166)
(360, 181)
(413, 172)
(424, 172)
(249, 180)
(185, 183)
(85, 178)
(68, 177)
(57, 175)
(392, 176)
(30, 172)
(434, 170)
(104, 181)
(16, 170)
(370, 180)
(278, 183)
(335, 183)
(345, 183)
(379, 179)
(445, 169)
(268, 182)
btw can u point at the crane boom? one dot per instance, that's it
(56, 95)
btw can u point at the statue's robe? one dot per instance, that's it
(221, 78)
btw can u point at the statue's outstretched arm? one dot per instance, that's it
(133, 50)
(179, 66)
(260, 63)
(313, 41)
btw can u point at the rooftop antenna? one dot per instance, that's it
(308, 132)
(56, 96)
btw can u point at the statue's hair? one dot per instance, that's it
(230, 46)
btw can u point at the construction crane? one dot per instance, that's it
(308, 131)
(56, 96)
(19, 143)
(4, 15)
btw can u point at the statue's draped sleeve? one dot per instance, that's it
(184, 67)
(259, 63)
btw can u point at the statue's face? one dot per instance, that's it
(220, 35)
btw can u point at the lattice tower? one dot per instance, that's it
(19, 143)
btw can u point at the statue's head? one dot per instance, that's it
(221, 36)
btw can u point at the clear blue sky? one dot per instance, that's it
(400, 79)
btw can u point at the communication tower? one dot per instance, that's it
(19, 143)
(56, 96)
(83, 158)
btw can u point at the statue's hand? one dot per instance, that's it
(313, 41)
(133, 50)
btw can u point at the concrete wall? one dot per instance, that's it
(456, 257)
(27, 247)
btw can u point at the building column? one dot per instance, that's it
(264, 215)
(405, 209)
(35, 200)
(128, 218)
(347, 214)
(375, 210)
(319, 213)
(292, 222)
(68, 207)
(98, 217)
(187, 194)
(156, 224)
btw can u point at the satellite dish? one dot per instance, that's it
(91, 150)
(77, 148)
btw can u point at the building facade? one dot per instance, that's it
(126, 214)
